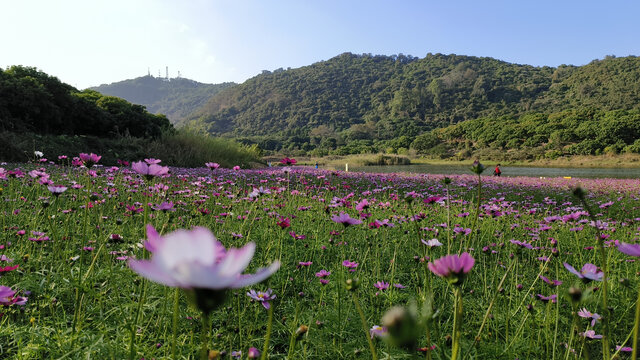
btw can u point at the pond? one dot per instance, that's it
(620, 173)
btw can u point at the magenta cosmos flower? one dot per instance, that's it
(149, 171)
(212, 165)
(288, 161)
(588, 272)
(196, 260)
(345, 219)
(452, 267)
(89, 159)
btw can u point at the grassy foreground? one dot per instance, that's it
(67, 255)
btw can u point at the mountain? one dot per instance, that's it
(364, 97)
(175, 98)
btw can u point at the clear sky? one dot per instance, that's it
(92, 42)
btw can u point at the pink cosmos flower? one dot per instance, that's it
(345, 219)
(584, 313)
(350, 265)
(452, 267)
(253, 353)
(381, 285)
(323, 273)
(152, 161)
(212, 165)
(57, 189)
(7, 297)
(262, 297)
(377, 330)
(590, 334)
(196, 260)
(236, 168)
(629, 249)
(149, 171)
(588, 272)
(89, 159)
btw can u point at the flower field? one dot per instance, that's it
(144, 261)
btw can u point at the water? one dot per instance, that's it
(620, 173)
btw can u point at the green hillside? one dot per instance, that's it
(175, 98)
(371, 102)
(32, 101)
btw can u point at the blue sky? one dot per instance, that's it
(91, 42)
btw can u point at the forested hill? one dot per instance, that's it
(384, 97)
(175, 98)
(35, 102)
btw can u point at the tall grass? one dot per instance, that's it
(179, 148)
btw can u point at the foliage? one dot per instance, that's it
(363, 97)
(574, 132)
(33, 101)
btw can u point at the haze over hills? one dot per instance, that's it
(174, 97)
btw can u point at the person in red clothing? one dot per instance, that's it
(497, 171)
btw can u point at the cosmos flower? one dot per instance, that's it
(149, 171)
(164, 206)
(288, 161)
(584, 313)
(452, 267)
(345, 219)
(381, 285)
(629, 249)
(253, 353)
(152, 161)
(262, 297)
(431, 243)
(350, 265)
(588, 272)
(212, 165)
(57, 189)
(377, 330)
(197, 261)
(89, 159)
(590, 334)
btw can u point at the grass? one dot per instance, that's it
(84, 301)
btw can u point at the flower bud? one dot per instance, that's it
(351, 284)
(302, 330)
(575, 294)
(401, 326)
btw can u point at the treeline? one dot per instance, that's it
(586, 131)
(40, 113)
(365, 103)
(176, 98)
(33, 101)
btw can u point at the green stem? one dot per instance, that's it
(204, 336)
(365, 327)
(636, 325)
(174, 330)
(265, 349)
(606, 350)
(457, 324)
(134, 325)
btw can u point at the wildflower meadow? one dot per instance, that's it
(144, 261)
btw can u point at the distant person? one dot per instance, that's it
(496, 171)
(316, 164)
